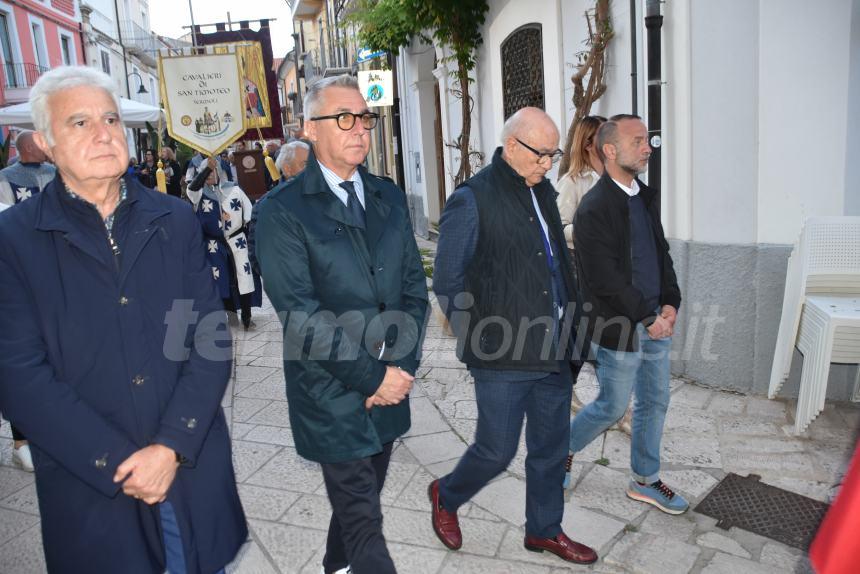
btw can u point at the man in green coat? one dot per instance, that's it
(341, 266)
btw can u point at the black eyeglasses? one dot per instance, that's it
(554, 156)
(346, 120)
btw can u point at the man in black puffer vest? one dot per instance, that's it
(505, 281)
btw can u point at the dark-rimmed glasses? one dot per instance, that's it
(554, 156)
(346, 120)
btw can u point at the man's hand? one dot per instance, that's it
(148, 473)
(660, 329)
(670, 313)
(394, 388)
(210, 161)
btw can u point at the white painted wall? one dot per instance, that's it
(677, 151)
(803, 104)
(852, 147)
(724, 90)
(416, 82)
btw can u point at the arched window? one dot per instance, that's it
(522, 69)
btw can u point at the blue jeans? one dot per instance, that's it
(502, 405)
(173, 540)
(645, 372)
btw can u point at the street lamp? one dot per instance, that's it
(142, 89)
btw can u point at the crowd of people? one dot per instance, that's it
(115, 347)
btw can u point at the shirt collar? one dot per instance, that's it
(632, 191)
(333, 180)
(123, 195)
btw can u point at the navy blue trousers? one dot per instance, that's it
(502, 405)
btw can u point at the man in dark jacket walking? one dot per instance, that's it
(114, 354)
(504, 279)
(632, 300)
(342, 269)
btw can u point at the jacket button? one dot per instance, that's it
(101, 462)
(123, 300)
(546, 292)
(192, 423)
(382, 306)
(531, 218)
(138, 380)
(540, 253)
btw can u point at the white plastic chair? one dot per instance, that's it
(819, 311)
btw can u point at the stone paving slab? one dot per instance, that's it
(23, 554)
(653, 554)
(728, 564)
(266, 503)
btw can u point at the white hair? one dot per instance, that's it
(288, 153)
(58, 80)
(313, 97)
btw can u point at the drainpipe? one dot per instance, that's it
(653, 23)
(395, 125)
(634, 69)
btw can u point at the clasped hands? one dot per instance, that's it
(148, 473)
(394, 388)
(664, 325)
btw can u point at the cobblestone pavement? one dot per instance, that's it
(708, 434)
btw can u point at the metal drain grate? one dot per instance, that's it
(766, 510)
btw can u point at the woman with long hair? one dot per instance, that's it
(585, 169)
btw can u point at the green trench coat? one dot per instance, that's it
(351, 302)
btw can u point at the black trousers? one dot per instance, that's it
(355, 531)
(16, 434)
(244, 305)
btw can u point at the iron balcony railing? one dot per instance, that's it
(139, 41)
(22, 75)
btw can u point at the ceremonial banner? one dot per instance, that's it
(255, 96)
(203, 100)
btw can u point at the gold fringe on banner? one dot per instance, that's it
(160, 177)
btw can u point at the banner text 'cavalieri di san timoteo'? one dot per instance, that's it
(203, 100)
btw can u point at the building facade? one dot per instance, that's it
(118, 41)
(326, 47)
(759, 130)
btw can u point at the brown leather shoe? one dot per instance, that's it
(445, 523)
(563, 547)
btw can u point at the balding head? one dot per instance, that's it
(530, 128)
(28, 151)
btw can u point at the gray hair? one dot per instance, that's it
(314, 95)
(58, 80)
(288, 153)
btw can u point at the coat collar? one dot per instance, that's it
(620, 196)
(376, 208)
(59, 211)
(79, 223)
(515, 181)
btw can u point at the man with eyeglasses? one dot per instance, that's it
(341, 266)
(504, 279)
